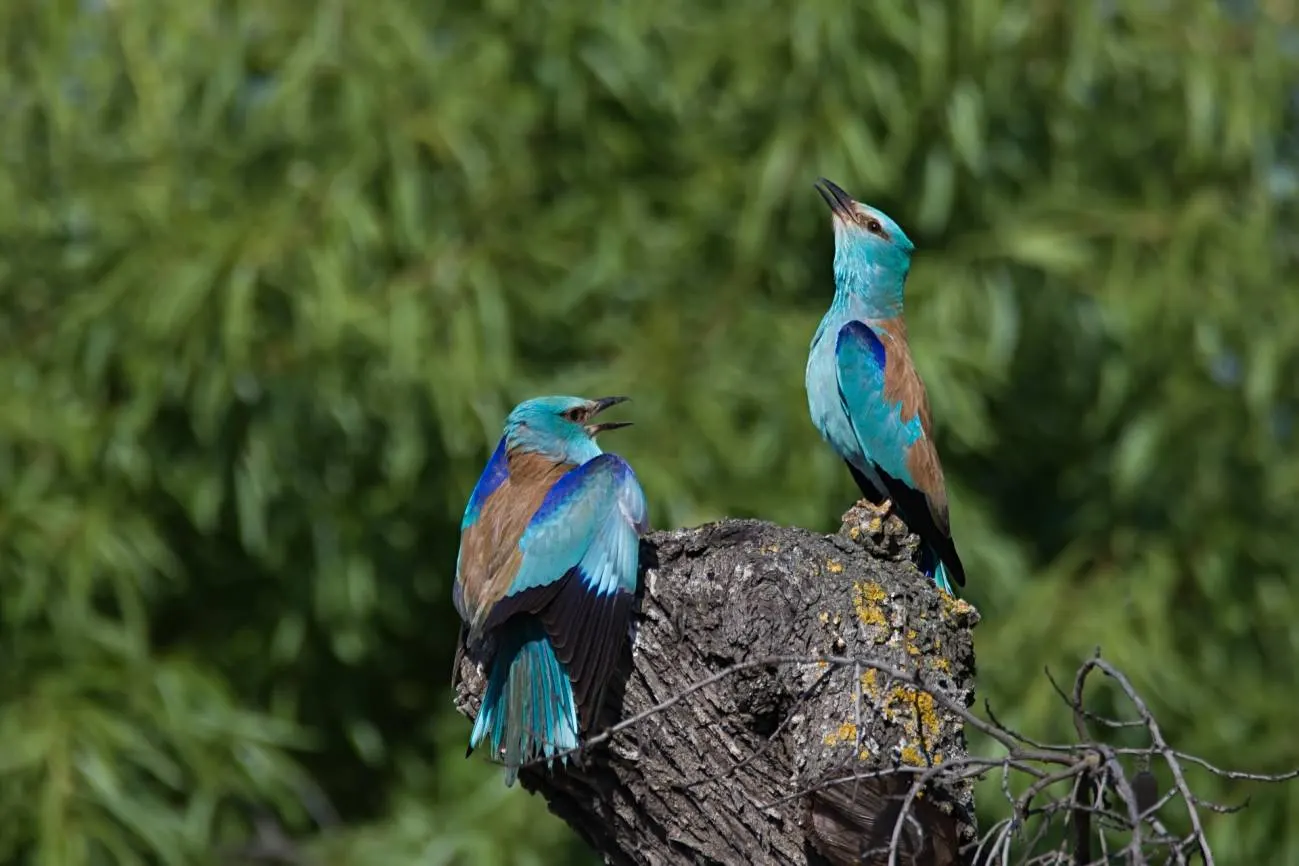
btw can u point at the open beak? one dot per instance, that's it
(839, 201)
(599, 406)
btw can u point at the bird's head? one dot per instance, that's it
(871, 252)
(560, 428)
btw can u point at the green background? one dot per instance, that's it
(272, 274)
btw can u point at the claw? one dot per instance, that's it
(881, 513)
(881, 508)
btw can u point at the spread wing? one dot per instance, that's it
(577, 571)
(885, 402)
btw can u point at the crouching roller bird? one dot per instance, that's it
(863, 391)
(546, 575)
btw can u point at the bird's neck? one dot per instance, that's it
(870, 292)
(571, 452)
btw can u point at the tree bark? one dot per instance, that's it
(735, 772)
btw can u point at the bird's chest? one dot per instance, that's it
(823, 401)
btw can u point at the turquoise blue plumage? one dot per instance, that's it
(546, 576)
(864, 393)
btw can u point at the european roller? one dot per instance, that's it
(546, 575)
(863, 390)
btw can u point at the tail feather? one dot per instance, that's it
(935, 569)
(940, 578)
(528, 710)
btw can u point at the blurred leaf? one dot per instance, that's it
(272, 274)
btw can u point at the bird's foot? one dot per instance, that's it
(879, 514)
(868, 521)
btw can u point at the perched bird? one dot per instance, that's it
(545, 577)
(863, 390)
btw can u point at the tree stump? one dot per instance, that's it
(793, 762)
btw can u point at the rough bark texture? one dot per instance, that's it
(716, 777)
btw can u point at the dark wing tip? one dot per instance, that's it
(588, 631)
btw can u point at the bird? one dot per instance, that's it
(863, 391)
(546, 575)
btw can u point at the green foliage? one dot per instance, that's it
(454, 812)
(271, 275)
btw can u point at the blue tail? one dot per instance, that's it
(528, 710)
(934, 569)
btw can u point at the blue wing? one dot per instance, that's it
(578, 570)
(885, 439)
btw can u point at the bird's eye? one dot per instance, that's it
(573, 414)
(873, 226)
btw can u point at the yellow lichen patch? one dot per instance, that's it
(845, 733)
(873, 527)
(954, 606)
(866, 599)
(915, 757)
(939, 663)
(872, 592)
(912, 649)
(823, 664)
(854, 532)
(770, 548)
(870, 683)
(916, 712)
(864, 755)
(824, 617)
(834, 566)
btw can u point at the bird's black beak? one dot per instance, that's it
(599, 406)
(839, 201)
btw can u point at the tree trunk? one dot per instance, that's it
(729, 773)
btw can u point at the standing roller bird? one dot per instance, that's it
(863, 390)
(545, 577)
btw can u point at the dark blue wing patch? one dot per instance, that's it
(869, 339)
(494, 475)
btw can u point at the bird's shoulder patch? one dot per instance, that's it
(859, 339)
